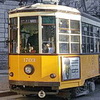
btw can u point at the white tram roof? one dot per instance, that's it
(45, 7)
(39, 7)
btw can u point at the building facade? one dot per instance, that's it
(4, 8)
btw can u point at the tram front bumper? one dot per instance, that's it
(27, 87)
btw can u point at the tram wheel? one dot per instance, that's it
(88, 87)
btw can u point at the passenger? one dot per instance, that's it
(48, 48)
(32, 43)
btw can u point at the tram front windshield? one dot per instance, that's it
(29, 35)
(29, 40)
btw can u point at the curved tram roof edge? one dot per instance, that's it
(90, 17)
(45, 7)
(39, 7)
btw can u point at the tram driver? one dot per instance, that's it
(32, 43)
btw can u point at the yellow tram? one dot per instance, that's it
(53, 48)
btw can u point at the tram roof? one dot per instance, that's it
(45, 7)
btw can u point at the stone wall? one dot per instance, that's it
(4, 8)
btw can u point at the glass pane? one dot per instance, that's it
(75, 31)
(29, 35)
(75, 38)
(90, 43)
(13, 35)
(63, 25)
(96, 32)
(94, 29)
(48, 34)
(84, 48)
(91, 28)
(48, 20)
(75, 48)
(75, 27)
(88, 39)
(75, 24)
(88, 48)
(64, 38)
(83, 40)
(92, 48)
(64, 48)
(85, 27)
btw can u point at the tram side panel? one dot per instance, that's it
(83, 68)
(70, 71)
(46, 70)
(89, 67)
(13, 67)
(49, 70)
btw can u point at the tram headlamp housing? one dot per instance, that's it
(29, 69)
(52, 75)
(11, 74)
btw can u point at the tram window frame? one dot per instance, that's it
(64, 28)
(71, 35)
(49, 37)
(64, 46)
(31, 34)
(73, 28)
(13, 35)
(75, 47)
(91, 45)
(76, 33)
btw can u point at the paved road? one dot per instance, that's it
(19, 97)
(4, 83)
(5, 86)
(92, 96)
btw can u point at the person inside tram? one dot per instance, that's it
(32, 43)
(48, 48)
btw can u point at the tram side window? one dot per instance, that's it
(69, 36)
(48, 34)
(75, 36)
(75, 27)
(29, 34)
(64, 35)
(63, 26)
(90, 40)
(13, 35)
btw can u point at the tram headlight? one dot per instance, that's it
(52, 75)
(29, 69)
(11, 74)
